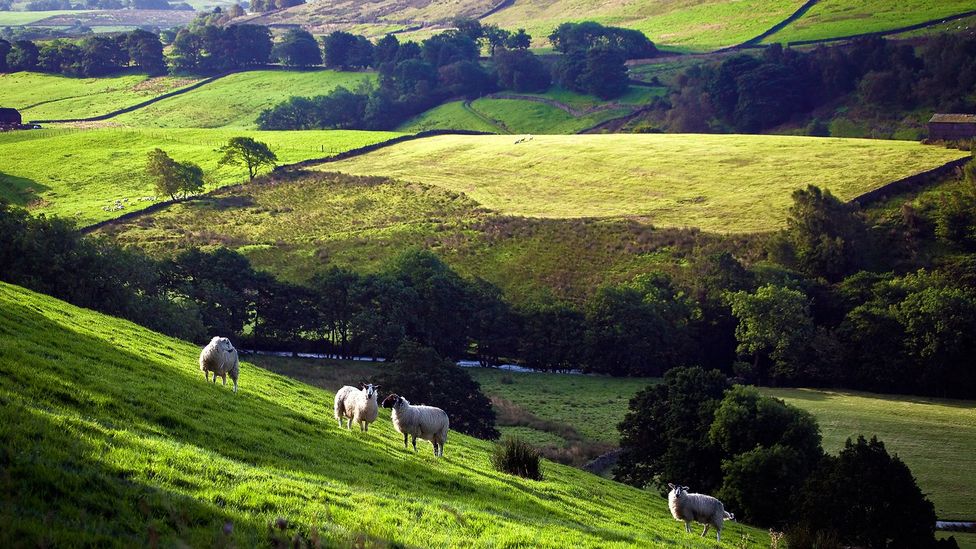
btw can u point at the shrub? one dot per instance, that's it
(517, 457)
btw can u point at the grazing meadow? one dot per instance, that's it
(83, 174)
(113, 438)
(721, 183)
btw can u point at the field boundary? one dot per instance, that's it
(898, 30)
(800, 12)
(157, 206)
(908, 183)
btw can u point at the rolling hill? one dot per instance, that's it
(111, 438)
(48, 96)
(839, 18)
(721, 183)
(83, 174)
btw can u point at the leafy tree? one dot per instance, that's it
(146, 51)
(868, 498)
(769, 449)
(22, 56)
(519, 40)
(449, 47)
(639, 329)
(298, 48)
(60, 56)
(339, 46)
(245, 151)
(424, 377)
(774, 322)
(551, 336)
(336, 307)
(171, 177)
(629, 43)
(604, 75)
(824, 236)
(521, 71)
(99, 56)
(465, 78)
(385, 50)
(665, 435)
(4, 50)
(495, 37)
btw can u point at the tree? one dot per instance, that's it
(823, 237)
(4, 50)
(171, 177)
(245, 151)
(298, 48)
(664, 436)
(425, 377)
(769, 448)
(495, 37)
(774, 322)
(338, 47)
(551, 336)
(22, 56)
(385, 50)
(868, 498)
(519, 40)
(521, 71)
(146, 51)
(605, 75)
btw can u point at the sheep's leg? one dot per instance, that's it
(206, 375)
(688, 526)
(235, 385)
(405, 447)
(415, 443)
(718, 534)
(223, 377)
(705, 531)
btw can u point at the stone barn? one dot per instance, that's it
(952, 127)
(9, 118)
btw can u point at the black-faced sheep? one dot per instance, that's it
(357, 405)
(426, 422)
(220, 357)
(699, 508)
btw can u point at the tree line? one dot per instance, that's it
(833, 300)
(416, 77)
(746, 93)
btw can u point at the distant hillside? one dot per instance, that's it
(112, 438)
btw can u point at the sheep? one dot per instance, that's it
(357, 405)
(697, 507)
(426, 422)
(220, 357)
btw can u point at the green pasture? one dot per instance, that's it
(720, 183)
(237, 99)
(18, 18)
(49, 96)
(77, 173)
(113, 438)
(838, 18)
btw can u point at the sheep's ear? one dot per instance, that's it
(685, 488)
(671, 486)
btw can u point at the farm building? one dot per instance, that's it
(9, 118)
(952, 127)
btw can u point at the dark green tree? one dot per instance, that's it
(422, 376)
(298, 48)
(245, 151)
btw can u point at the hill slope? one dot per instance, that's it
(112, 438)
(81, 174)
(722, 183)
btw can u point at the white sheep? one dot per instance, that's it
(699, 508)
(357, 405)
(220, 357)
(426, 422)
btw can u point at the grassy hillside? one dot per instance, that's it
(18, 18)
(237, 99)
(48, 96)
(113, 438)
(363, 223)
(449, 116)
(723, 183)
(685, 25)
(836, 18)
(78, 173)
(936, 438)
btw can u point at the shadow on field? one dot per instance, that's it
(20, 191)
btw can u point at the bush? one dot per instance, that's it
(517, 457)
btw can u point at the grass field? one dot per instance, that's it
(449, 116)
(76, 173)
(112, 439)
(48, 96)
(237, 99)
(519, 116)
(837, 18)
(936, 438)
(695, 25)
(18, 18)
(722, 183)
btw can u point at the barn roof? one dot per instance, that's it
(954, 118)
